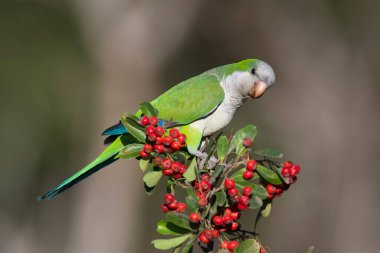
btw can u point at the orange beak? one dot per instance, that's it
(258, 89)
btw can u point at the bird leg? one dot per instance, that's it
(212, 162)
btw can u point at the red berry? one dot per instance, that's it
(160, 131)
(169, 198)
(215, 233)
(159, 148)
(175, 145)
(167, 141)
(232, 245)
(232, 192)
(148, 148)
(203, 238)
(234, 226)
(205, 177)
(227, 219)
(271, 189)
(153, 120)
(143, 154)
(241, 207)
(176, 167)
(235, 199)
(224, 245)
(217, 220)
(247, 191)
(159, 140)
(285, 171)
(181, 207)
(183, 169)
(288, 164)
(181, 139)
(144, 121)
(262, 250)
(248, 174)
(247, 142)
(157, 161)
(174, 133)
(270, 196)
(152, 137)
(209, 234)
(227, 212)
(194, 217)
(167, 172)
(278, 191)
(173, 205)
(150, 129)
(251, 165)
(166, 163)
(164, 208)
(229, 183)
(244, 200)
(177, 175)
(235, 215)
(294, 170)
(203, 202)
(205, 186)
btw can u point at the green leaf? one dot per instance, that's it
(266, 211)
(192, 203)
(168, 228)
(222, 147)
(149, 190)
(269, 175)
(310, 249)
(188, 248)
(133, 128)
(165, 244)
(249, 131)
(152, 178)
(259, 191)
(248, 246)
(132, 117)
(220, 198)
(131, 151)
(255, 202)
(148, 110)
(144, 165)
(179, 219)
(268, 152)
(190, 174)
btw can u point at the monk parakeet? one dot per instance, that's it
(199, 106)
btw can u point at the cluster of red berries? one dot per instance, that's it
(238, 200)
(276, 191)
(160, 142)
(230, 245)
(290, 171)
(250, 169)
(201, 188)
(208, 235)
(226, 220)
(171, 204)
(169, 167)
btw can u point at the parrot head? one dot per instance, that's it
(253, 77)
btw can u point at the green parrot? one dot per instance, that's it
(199, 107)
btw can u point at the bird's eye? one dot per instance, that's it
(253, 71)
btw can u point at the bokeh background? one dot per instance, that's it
(68, 69)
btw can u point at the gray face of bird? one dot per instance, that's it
(264, 78)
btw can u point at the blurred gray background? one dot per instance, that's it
(68, 69)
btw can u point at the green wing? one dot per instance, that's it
(191, 99)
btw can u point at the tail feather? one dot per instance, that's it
(107, 157)
(117, 129)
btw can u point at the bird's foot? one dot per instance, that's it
(211, 162)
